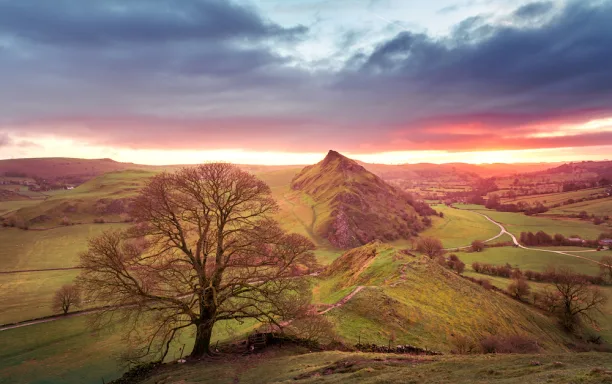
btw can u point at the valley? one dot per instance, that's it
(372, 284)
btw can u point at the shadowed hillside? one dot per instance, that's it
(360, 206)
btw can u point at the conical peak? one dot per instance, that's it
(333, 155)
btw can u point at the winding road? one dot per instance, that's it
(516, 242)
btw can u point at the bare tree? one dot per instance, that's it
(204, 248)
(65, 297)
(573, 299)
(606, 267)
(430, 246)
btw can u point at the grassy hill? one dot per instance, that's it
(416, 301)
(66, 169)
(354, 206)
(303, 366)
(599, 207)
(106, 196)
(549, 199)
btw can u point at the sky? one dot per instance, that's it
(284, 81)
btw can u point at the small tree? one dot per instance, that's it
(459, 266)
(65, 297)
(478, 246)
(606, 267)
(430, 246)
(573, 299)
(519, 288)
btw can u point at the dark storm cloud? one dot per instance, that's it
(213, 74)
(556, 70)
(100, 22)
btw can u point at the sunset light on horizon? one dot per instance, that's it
(282, 82)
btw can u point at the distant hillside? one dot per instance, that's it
(68, 170)
(584, 169)
(453, 171)
(360, 206)
(105, 197)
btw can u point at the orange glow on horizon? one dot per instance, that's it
(69, 148)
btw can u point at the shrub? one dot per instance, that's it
(478, 246)
(463, 345)
(508, 344)
(476, 267)
(486, 284)
(65, 221)
(99, 220)
(519, 288)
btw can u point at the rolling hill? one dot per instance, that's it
(421, 303)
(359, 206)
(68, 170)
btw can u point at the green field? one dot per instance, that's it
(557, 198)
(518, 222)
(528, 259)
(56, 248)
(599, 207)
(7, 207)
(28, 296)
(457, 228)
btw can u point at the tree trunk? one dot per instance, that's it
(201, 345)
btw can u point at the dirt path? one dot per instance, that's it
(48, 319)
(40, 270)
(343, 300)
(500, 234)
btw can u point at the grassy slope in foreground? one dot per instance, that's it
(423, 304)
(68, 352)
(279, 366)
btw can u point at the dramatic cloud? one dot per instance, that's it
(210, 74)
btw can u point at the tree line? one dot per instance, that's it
(542, 238)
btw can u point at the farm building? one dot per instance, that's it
(605, 242)
(575, 240)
